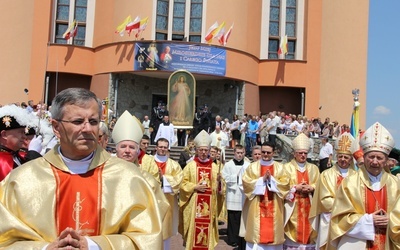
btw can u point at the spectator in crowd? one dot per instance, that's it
(187, 154)
(252, 128)
(146, 125)
(235, 130)
(104, 134)
(325, 155)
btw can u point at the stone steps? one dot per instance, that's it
(176, 151)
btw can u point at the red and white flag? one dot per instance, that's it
(223, 40)
(134, 25)
(210, 35)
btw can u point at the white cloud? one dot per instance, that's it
(381, 110)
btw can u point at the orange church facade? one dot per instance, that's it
(326, 59)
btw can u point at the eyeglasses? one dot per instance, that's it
(301, 153)
(267, 152)
(80, 122)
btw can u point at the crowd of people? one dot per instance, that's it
(70, 193)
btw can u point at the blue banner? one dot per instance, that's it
(173, 56)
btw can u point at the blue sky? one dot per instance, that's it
(383, 76)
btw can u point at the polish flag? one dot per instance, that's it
(210, 31)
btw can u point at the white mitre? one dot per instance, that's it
(203, 139)
(127, 128)
(377, 138)
(301, 142)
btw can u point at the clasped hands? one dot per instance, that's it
(380, 219)
(304, 188)
(69, 239)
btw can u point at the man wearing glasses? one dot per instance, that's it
(68, 198)
(303, 178)
(265, 184)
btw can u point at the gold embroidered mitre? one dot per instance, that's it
(377, 138)
(203, 139)
(346, 144)
(127, 128)
(301, 142)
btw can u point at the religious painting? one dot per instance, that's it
(181, 99)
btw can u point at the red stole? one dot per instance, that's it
(376, 200)
(339, 180)
(161, 166)
(140, 156)
(303, 210)
(78, 200)
(267, 211)
(203, 206)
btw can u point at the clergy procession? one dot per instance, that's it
(61, 189)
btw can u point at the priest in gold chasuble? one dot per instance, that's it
(198, 198)
(329, 181)
(303, 179)
(365, 200)
(77, 196)
(265, 183)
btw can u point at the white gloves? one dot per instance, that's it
(36, 144)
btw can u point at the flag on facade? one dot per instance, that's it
(142, 26)
(71, 31)
(283, 47)
(224, 38)
(121, 28)
(134, 25)
(218, 32)
(209, 35)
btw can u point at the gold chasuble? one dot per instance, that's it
(198, 210)
(111, 202)
(297, 227)
(322, 202)
(144, 158)
(263, 214)
(394, 227)
(172, 171)
(355, 198)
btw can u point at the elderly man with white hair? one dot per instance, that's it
(365, 200)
